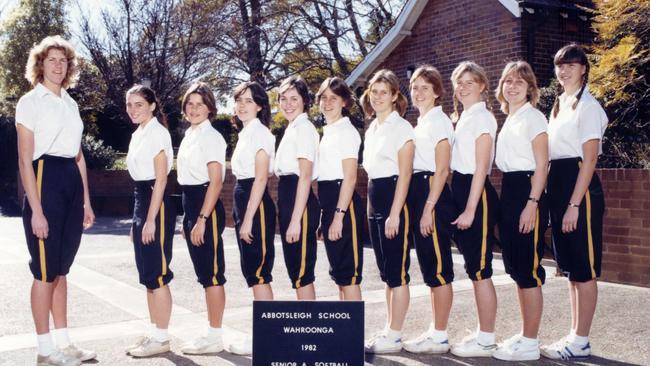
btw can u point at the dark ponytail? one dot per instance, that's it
(571, 53)
(150, 96)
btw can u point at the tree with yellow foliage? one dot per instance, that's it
(620, 78)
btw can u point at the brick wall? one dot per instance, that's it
(626, 236)
(449, 32)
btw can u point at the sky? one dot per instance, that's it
(75, 10)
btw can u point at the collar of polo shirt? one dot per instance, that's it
(564, 97)
(339, 122)
(428, 117)
(476, 107)
(42, 91)
(521, 110)
(301, 118)
(250, 126)
(147, 126)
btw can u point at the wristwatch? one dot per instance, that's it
(338, 209)
(202, 217)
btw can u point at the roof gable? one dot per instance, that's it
(402, 28)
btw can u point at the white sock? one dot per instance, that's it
(572, 335)
(160, 335)
(529, 341)
(61, 337)
(438, 335)
(45, 344)
(214, 333)
(149, 331)
(580, 340)
(394, 335)
(485, 338)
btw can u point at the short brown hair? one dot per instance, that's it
(38, 53)
(524, 71)
(259, 97)
(430, 75)
(202, 89)
(388, 77)
(340, 88)
(298, 83)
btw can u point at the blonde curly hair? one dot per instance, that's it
(38, 53)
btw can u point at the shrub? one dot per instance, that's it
(97, 155)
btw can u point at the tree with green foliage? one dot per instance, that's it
(28, 24)
(620, 78)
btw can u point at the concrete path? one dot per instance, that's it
(107, 308)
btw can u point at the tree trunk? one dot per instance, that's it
(251, 26)
(355, 28)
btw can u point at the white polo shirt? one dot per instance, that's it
(300, 141)
(432, 128)
(201, 145)
(572, 128)
(54, 120)
(146, 143)
(382, 143)
(515, 141)
(252, 138)
(474, 122)
(340, 141)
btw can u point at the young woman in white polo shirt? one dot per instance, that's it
(475, 198)
(522, 156)
(575, 132)
(342, 210)
(388, 160)
(149, 161)
(57, 203)
(431, 205)
(296, 166)
(201, 168)
(253, 209)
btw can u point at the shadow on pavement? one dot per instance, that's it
(450, 360)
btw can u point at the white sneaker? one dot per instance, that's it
(425, 344)
(566, 351)
(138, 342)
(203, 345)
(80, 353)
(381, 344)
(57, 358)
(243, 348)
(514, 349)
(511, 340)
(469, 347)
(551, 350)
(149, 348)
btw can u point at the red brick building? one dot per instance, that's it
(489, 32)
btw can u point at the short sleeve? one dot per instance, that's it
(306, 145)
(438, 134)
(404, 135)
(591, 122)
(264, 140)
(213, 148)
(25, 114)
(349, 144)
(484, 123)
(535, 125)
